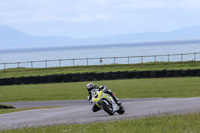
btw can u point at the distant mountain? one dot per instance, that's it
(12, 38)
(180, 34)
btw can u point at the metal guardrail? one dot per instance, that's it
(104, 60)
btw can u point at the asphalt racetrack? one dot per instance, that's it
(80, 111)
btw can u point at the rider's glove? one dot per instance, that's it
(101, 87)
(91, 102)
(104, 88)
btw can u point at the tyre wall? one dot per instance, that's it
(77, 77)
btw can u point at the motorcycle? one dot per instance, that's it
(106, 102)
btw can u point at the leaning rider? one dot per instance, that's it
(91, 86)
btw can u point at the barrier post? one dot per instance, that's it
(59, 63)
(128, 60)
(181, 57)
(141, 59)
(4, 67)
(46, 63)
(194, 56)
(31, 64)
(87, 61)
(73, 62)
(168, 58)
(101, 61)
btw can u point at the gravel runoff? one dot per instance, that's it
(79, 111)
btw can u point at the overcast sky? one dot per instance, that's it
(92, 18)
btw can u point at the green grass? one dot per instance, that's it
(22, 72)
(128, 88)
(163, 124)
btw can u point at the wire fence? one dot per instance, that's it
(102, 61)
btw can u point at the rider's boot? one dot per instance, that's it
(116, 99)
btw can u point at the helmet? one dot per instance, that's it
(90, 86)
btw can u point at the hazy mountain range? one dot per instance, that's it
(12, 38)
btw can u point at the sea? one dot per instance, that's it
(98, 55)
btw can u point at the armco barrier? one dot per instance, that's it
(98, 76)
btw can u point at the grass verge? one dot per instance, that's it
(128, 88)
(161, 124)
(24, 72)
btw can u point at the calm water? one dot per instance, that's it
(96, 52)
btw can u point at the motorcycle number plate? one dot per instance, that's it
(94, 93)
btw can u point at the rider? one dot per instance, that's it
(91, 86)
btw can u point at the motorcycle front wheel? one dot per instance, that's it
(107, 108)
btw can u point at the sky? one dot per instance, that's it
(95, 18)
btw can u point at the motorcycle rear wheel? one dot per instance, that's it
(121, 110)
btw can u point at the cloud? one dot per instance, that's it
(139, 4)
(26, 16)
(54, 10)
(193, 5)
(85, 18)
(119, 15)
(103, 16)
(76, 19)
(87, 10)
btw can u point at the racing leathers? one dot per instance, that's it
(104, 88)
